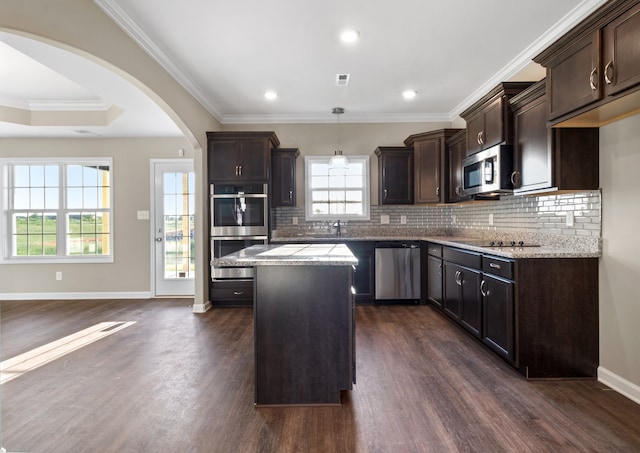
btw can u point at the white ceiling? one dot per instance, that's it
(227, 54)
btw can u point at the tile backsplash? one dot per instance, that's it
(575, 214)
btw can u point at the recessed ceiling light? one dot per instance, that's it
(270, 95)
(350, 36)
(409, 94)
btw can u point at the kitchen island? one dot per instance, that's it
(304, 323)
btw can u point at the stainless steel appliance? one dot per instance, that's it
(239, 219)
(488, 172)
(397, 271)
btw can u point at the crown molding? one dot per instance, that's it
(348, 118)
(566, 23)
(124, 21)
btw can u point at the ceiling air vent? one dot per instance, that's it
(342, 80)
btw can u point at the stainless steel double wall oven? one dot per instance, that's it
(239, 219)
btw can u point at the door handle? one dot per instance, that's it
(159, 239)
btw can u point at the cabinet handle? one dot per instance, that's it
(494, 266)
(478, 138)
(385, 194)
(238, 293)
(291, 195)
(606, 73)
(482, 291)
(439, 270)
(237, 170)
(592, 79)
(514, 177)
(459, 278)
(482, 137)
(240, 168)
(437, 191)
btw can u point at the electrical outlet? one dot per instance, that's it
(570, 218)
(294, 220)
(403, 219)
(384, 219)
(180, 152)
(58, 275)
(453, 220)
(490, 219)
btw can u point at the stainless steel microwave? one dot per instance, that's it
(488, 172)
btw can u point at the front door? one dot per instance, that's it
(173, 226)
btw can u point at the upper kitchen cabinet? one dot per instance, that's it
(550, 158)
(240, 156)
(395, 175)
(593, 72)
(430, 160)
(489, 120)
(283, 176)
(457, 148)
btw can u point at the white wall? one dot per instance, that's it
(620, 263)
(130, 273)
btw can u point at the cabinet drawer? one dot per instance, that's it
(462, 257)
(434, 249)
(232, 291)
(497, 266)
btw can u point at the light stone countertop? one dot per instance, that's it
(290, 255)
(573, 249)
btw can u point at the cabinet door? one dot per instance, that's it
(573, 78)
(493, 132)
(224, 158)
(396, 181)
(532, 150)
(364, 277)
(621, 60)
(474, 129)
(471, 303)
(498, 316)
(254, 160)
(434, 281)
(457, 151)
(283, 177)
(427, 160)
(452, 295)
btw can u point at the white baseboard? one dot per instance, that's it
(62, 296)
(201, 308)
(619, 384)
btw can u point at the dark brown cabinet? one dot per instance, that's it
(430, 161)
(457, 148)
(434, 275)
(498, 315)
(395, 175)
(489, 120)
(539, 314)
(545, 158)
(283, 176)
(461, 284)
(596, 63)
(240, 156)
(364, 275)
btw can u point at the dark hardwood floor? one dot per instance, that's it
(180, 382)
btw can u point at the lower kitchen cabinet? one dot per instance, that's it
(232, 293)
(498, 315)
(434, 281)
(461, 284)
(539, 314)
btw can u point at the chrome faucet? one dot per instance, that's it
(337, 227)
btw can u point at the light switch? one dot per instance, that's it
(143, 215)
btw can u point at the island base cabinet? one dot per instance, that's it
(304, 334)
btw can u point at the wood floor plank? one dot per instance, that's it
(178, 381)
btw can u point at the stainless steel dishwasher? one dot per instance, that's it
(397, 271)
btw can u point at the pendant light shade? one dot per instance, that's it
(338, 160)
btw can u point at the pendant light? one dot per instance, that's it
(338, 160)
